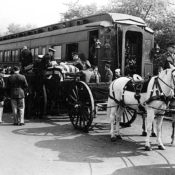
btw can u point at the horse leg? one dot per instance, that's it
(112, 120)
(111, 113)
(173, 127)
(159, 133)
(119, 113)
(149, 121)
(153, 134)
(144, 133)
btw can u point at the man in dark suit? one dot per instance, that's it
(47, 58)
(25, 57)
(16, 85)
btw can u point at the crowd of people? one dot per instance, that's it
(14, 86)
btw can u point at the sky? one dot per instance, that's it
(36, 12)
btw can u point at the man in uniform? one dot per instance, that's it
(108, 73)
(47, 58)
(168, 57)
(16, 86)
(25, 57)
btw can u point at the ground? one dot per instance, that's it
(53, 147)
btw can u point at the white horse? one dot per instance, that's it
(154, 101)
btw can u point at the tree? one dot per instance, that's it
(15, 28)
(75, 10)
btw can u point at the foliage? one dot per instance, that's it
(159, 14)
(15, 28)
(76, 10)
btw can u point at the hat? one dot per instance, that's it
(117, 70)
(40, 56)
(170, 44)
(107, 61)
(82, 57)
(16, 68)
(51, 49)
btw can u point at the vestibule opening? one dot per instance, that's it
(133, 53)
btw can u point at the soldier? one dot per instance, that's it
(168, 57)
(25, 57)
(117, 73)
(47, 58)
(108, 73)
(17, 85)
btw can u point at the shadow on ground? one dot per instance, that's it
(158, 169)
(75, 146)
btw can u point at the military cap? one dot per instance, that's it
(16, 68)
(169, 44)
(51, 49)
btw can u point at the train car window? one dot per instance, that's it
(43, 51)
(57, 55)
(71, 48)
(16, 55)
(8, 56)
(13, 55)
(5, 56)
(33, 52)
(36, 51)
(1, 56)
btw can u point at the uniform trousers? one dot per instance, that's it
(18, 107)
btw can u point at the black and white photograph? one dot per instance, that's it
(87, 87)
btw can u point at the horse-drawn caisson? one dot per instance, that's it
(122, 40)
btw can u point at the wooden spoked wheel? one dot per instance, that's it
(129, 116)
(81, 106)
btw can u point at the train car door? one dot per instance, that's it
(133, 53)
(132, 50)
(93, 51)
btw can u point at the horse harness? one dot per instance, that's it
(140, 87)
(133, 86)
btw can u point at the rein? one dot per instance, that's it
(165, 83)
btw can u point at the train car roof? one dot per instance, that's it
(103, 19)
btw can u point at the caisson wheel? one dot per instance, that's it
(128, 117)
(81, 106)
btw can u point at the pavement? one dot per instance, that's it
(53, 147)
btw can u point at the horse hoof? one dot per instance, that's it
(144, 133)
(113, 139)
(153, 134)
(161, 147)
(118, 137)
(148, 148)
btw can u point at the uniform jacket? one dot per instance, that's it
(26, 57)
(46, 60)
(108, 76)
(16, 85)
(165, 59)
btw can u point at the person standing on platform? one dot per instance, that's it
(108, 74)
(2, 93)
(47, 58)
(16, 86)
(117, 73)
(26, 57)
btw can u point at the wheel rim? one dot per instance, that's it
(81, 106)
(129, 115)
